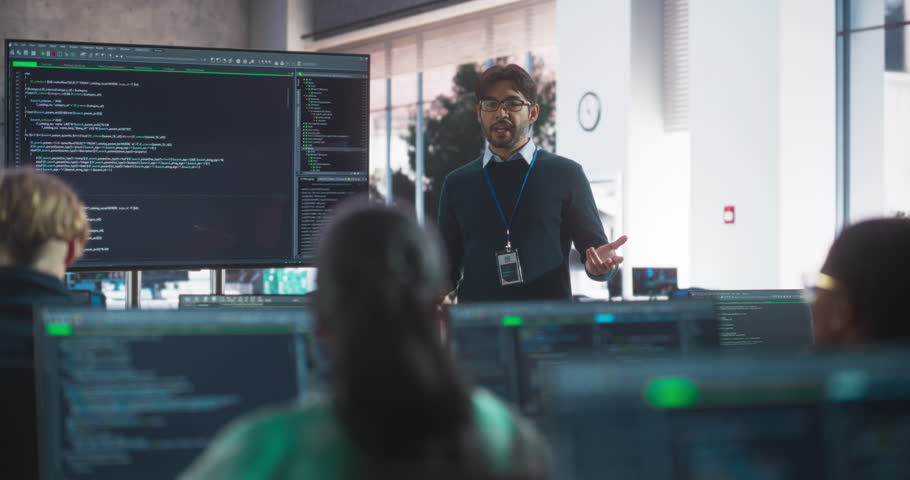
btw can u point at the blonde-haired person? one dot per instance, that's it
(43, 229)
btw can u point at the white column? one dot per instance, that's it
(734, 126)
(269, 24)
(808, 136)
(594, 56)
(280, 24)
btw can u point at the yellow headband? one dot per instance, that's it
(826, 282)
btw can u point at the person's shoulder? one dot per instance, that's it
(285, 419)
(553, 160)
(561, 170)
(37, 287)
(513, 444)
(268, 439)
(490, 411)
(459, 183)
(275, 425)
(467, 170)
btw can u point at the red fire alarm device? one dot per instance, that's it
(729, 215)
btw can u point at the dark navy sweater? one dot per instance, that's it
(556, 209)
(21, 290)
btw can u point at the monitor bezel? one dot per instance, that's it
(469, 315)
(309, 298)
(710, 292)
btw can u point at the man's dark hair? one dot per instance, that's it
(871, 263)
(513, 73)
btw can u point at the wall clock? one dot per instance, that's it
(589, 111)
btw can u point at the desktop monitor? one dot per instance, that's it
(245, 301)
(505, 346)
(192, 157)
(652, 282)
(776, 417)
(88, 298)
(139, 394)
(761, 319)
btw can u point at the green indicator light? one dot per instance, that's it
(671, 393)
(24, 64)
(512, 321)
(59, 329)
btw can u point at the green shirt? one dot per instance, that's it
(305, 441)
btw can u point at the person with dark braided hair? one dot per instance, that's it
(397, 406)
(861, 293)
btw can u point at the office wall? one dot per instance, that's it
(615, 49)
(209, 23)
(808, 138)
(734, 116)
(281, 24)
(763, 139)
(594, 56)
(269, 24)
(658, 163)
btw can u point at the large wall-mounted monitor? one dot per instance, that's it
(192, 157)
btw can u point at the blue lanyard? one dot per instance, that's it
(502, 214)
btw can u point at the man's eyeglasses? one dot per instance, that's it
(511, 104)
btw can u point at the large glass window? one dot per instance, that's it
(110, 286)
(434, 60)
(874, 108)
(161, 289)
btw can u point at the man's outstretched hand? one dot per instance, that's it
(602, 259)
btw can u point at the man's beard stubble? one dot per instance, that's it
(517, 136)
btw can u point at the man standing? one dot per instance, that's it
(508, 217)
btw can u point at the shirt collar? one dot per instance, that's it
(526, 153)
